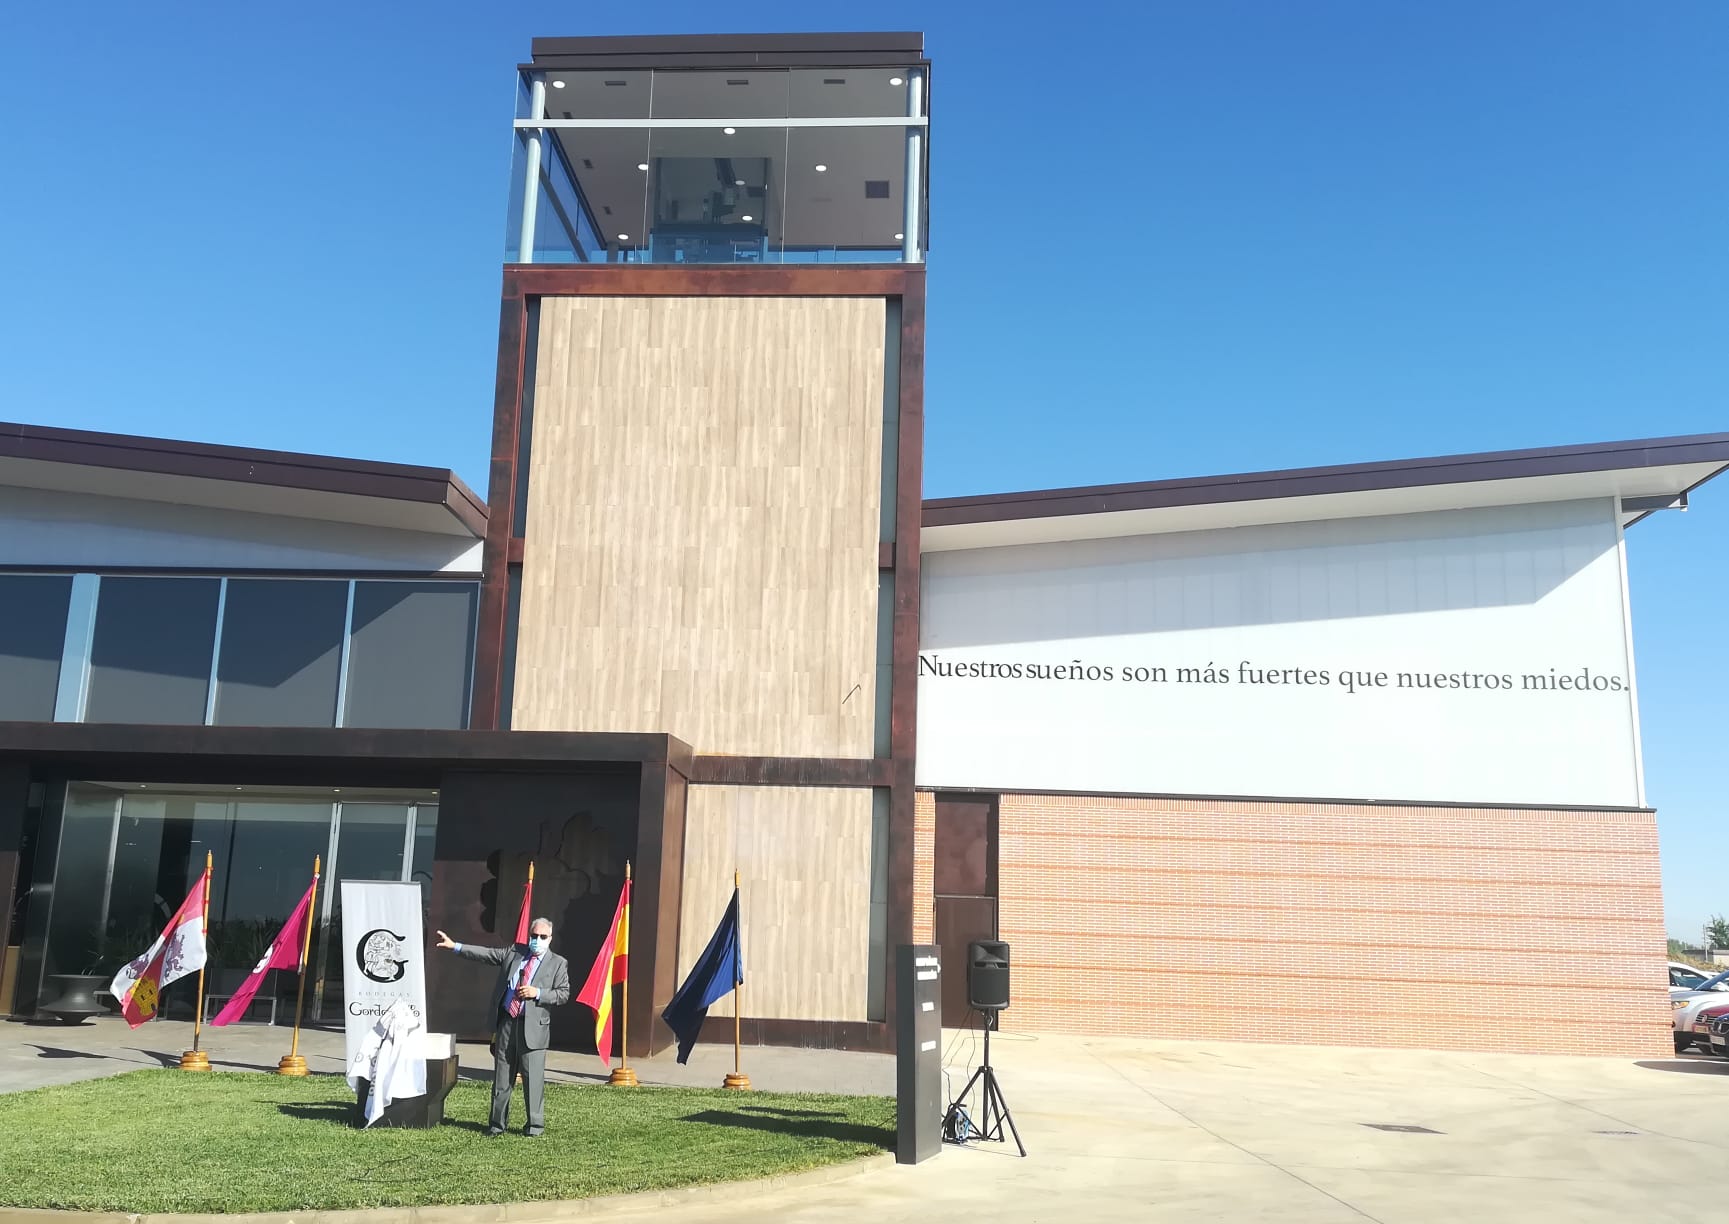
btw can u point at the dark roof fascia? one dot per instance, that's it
(247, 465)
(1344, 478)
(261, 750)
(729, 51)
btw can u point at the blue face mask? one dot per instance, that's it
(537, 944)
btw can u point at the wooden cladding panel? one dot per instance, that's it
(701, 552)
(805, 857)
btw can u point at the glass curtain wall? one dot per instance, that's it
(125, 856)
(739, 166)
(237, 652)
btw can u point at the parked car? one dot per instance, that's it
(1687, 1004)
(1684, 977)
(1717, 1033)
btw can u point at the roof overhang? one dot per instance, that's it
(1644, 476)
(240, 479)
(672, 51)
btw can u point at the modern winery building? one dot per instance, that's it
(1367, 735)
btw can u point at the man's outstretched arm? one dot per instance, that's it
(474, 952)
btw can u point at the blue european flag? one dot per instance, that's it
(718, 970)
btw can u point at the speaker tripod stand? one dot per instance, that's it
(993, 1109)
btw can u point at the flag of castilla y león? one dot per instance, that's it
(178, 951)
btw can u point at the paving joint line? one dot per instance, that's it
(1272, 1164)
(1559, 1100)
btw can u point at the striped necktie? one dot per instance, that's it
(522, 979)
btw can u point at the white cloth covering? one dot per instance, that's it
(390, 1059)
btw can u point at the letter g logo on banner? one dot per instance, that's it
(380, 955)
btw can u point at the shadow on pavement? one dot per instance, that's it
(49, 1022)
(57, 1052)
(842, 1132)
(1687, 1067)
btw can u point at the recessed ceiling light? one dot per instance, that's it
(896, 81)
(747, 217)
(738, 182)
(900, 237)
(558, 84)
(730, 131)
(821, 169)
(642, 165)
(624, 237)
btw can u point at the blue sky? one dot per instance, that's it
(1167, 240)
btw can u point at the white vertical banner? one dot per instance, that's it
(383, 953)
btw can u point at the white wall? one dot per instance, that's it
(1503, 592)
(39, 527)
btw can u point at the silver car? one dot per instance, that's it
(1687, 1003)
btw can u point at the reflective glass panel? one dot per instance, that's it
(751, 93)
(76, 919)
(715, 196)
(410, 653)
(845, 195)
(32, 636)
(369, 844)
(835, 92)
(425, 838)
(281, 651)
(151, 655)
(607, 187)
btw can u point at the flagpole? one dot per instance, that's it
(292, 1063)
(622, 1076)
(738, 1079)
(196, 1059)
(527, 919)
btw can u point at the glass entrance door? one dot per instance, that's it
(116, 859)
(369, 841)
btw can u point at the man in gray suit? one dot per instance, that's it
(531, 978)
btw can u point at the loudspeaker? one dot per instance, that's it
(988, 975)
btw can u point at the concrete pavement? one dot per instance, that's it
(1164, 1130)
(1124, 1130)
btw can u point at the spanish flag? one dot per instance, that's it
(609, 969)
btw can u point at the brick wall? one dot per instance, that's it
(1334, 924)
(924, 855)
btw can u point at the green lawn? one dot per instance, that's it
(173, 1141)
